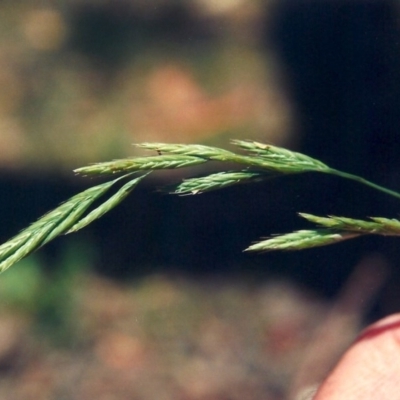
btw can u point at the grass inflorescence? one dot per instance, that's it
(261, 162)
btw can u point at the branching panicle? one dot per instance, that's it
(261, 162)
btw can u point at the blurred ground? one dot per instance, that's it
(74, 335)
(159, 338)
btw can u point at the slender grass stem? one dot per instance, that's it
(356, 178)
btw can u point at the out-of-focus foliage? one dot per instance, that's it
(44, 298)
(82, 80)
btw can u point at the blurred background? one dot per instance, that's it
(157, 300)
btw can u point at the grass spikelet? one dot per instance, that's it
(392, 226)
(108, 205)
(30, 238)
(49, 226)
(303, 239)
(381, 226)
(217, 154)
(290, 160)
(140, 164)
(217, 181)
(344, 223)
(196, 150)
